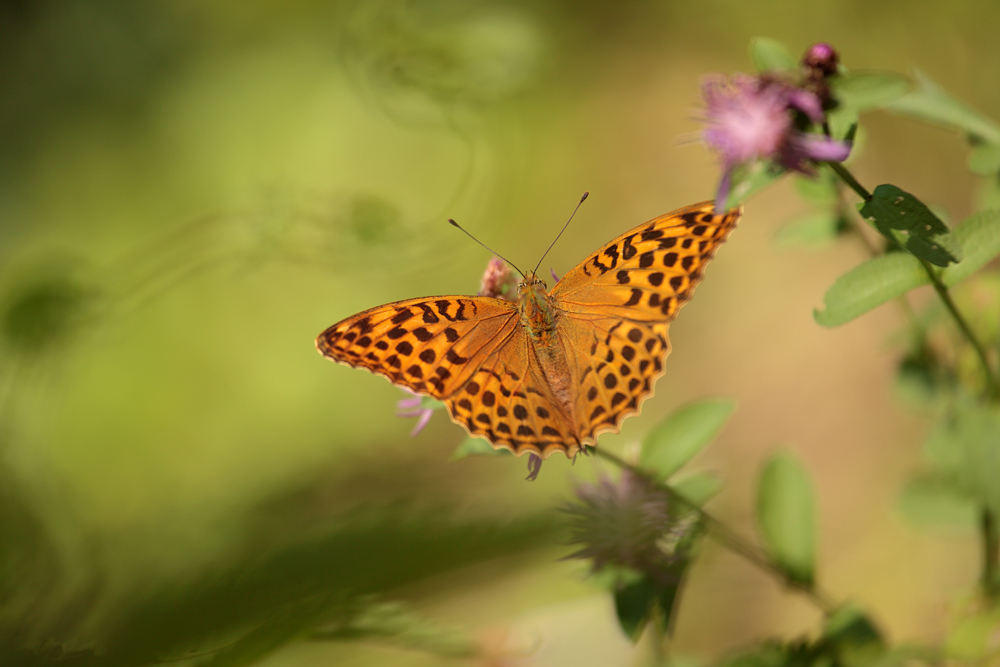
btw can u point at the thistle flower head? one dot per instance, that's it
(751, 118)
(498, 281)
(821, 59)
(633, 524)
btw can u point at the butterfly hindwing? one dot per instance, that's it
(647, 274)
(431, 346)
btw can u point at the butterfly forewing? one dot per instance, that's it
(432, 346)
(648, 273)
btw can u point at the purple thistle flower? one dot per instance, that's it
(821, 59)
(751, 118)
(633, 524)
(411, 406)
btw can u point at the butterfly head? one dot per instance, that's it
(534, 303)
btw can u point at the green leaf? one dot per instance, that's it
(862, 91)
(979, 236)
(682, 434)
(813, 230)
(934, 501)
(769, 55)
(698, 488)
(932, 104)
(985, 160)
(634, 606)
(476, 447)
(749, 179)
(843, 123)
(900, 216)
(853, 637)
(965, 448)
(821, 190)
(869, 285)
(786, 513)
(887, 277)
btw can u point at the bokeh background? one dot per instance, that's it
(191, 191)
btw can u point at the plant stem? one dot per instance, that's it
(727, 537)
(991, 553)
(850, 180)
(992, 384)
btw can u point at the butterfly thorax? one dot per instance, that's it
(537, 314)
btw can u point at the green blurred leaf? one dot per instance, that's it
(985, 160)
(476, 447)
(931, 500)
(843, 123)
(931, 103)
(786, 513)
(749, 179)
(698, 488)
(682, 434)
(862, 91)
(973, 637)
(900, 216)
(884, 278)
(822, 190)
(392, 623)
(769, 55)
(965, 448)
(853, 637)
(813, 230)
(634, 606)
(869, 285)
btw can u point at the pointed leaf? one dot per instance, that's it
(769, 55)
(884, 278)
(965, 448)
(811, 231)
(634, 606)
(681, 435)
(853, 638)
(979, 236)
(698, 488)
(786, 513)
(985, 160)
(868, 286)
(935, 501)
(862, 91)
(931, 103)
(900, 216)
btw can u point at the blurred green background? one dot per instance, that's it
(191, 191)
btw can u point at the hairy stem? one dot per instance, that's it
(991, 553)
(992, 384)
(727, 538)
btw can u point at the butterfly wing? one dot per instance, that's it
(432, 346)
(647, 274)
(617, 304)
(509, 402)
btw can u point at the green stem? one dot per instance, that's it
(991, 553)
(993, 385)
(727, 538)
(850, 180)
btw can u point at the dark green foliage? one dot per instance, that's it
(901, 217)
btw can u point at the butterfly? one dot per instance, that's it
(552, 371)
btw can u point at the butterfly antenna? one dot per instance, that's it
(455, 224)
(582, 199)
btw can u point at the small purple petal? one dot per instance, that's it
(806, 102)
(422, 422)
(823, 149)
(723, 192)
(554, 276)
(534, 467)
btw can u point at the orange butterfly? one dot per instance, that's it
(551, 372)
